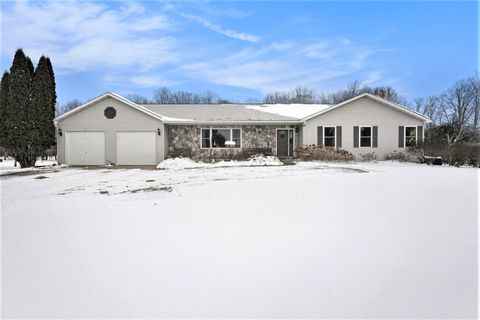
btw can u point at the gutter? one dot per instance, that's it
(195, 122)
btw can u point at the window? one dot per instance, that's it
(365, 136)
(216, 138)
(410, 136)
(329, 136)
(110, 112)
(205, 138)
(236, 137)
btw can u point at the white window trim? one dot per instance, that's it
(288, 144)
(335, 128)
(405, 135)
(231, 137)
(360, 136)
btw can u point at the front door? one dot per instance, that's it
(284, 142)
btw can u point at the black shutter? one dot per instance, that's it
(375, 137)
(339, 136)
(355, 137)
(319, 136)
(420, 134)
(401, 136)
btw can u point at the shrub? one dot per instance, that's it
(455, 154)
(465, 154)
(368, 157)
(313, 152)
(396, 156)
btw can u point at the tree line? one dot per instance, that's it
(27, 109)
(306, 95)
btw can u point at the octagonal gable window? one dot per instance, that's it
(110, 113)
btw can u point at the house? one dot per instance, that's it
(113, 129)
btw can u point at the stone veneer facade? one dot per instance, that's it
(186, 140)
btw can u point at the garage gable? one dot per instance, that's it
(114, 99)
(108, 113)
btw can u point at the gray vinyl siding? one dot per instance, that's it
(363, 112)
(127, 119)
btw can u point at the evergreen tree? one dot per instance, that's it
(3, 104)
(43, 106)
(17, 104)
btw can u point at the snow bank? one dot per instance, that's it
(180, 163)
(260, 160)
(46, 163)
(8, 166)
(187, 163)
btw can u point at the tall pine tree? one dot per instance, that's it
(43, 104)
(3, 104)
(17, 121)
(27, 108)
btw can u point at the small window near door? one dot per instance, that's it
(205, 138)
(410, 136)
(365, 136)
(329, 136)
(236, 137)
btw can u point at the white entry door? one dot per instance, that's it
(85, 148)
(136, 148)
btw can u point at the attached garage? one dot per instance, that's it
(85, 148)
(136, 148)
(110, 129)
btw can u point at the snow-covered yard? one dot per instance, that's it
(306, 241)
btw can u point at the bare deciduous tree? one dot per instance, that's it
(162, 95)
(137, 98)
(475, 87)
(459, 100)
(166, 96)
(70, 105)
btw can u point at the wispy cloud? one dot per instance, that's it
(227, 32)
(84, 35)
(152, 81)
(282, 66)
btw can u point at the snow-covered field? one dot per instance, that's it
(307, 241)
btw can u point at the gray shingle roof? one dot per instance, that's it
(232, 112)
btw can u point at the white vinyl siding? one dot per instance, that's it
(362, 112)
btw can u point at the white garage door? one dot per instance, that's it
(136, 148)
(85, 148)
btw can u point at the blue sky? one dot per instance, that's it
(243, 50)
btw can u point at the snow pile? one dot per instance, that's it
(261, 160)
(180, 163)
(46, 163)
(187, 163)
(8, 166)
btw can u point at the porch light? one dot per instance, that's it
(159, 132)
(60, 133)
